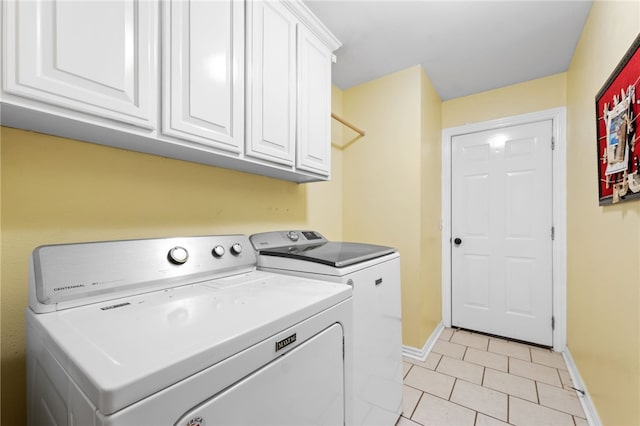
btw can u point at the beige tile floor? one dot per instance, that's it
(474, 379)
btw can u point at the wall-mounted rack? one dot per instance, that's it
(349, 125)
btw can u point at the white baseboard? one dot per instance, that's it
(421, 354)
(585, 400)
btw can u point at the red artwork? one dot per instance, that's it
(618, 143)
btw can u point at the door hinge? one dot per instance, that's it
(343, 348)
(553, 323)
(553, 233)
(553, 143)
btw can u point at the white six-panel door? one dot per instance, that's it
(501, 206)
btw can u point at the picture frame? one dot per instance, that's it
(618, 145)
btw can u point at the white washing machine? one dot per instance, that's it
(182, 331)
(374, 273)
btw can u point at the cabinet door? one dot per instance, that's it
(271, 81)
(314, 104)
(95, 57)
(203, 72)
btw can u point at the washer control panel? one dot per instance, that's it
(69, 273)
(293, 238)
(236, 249)
(178, 255)
(218, 251)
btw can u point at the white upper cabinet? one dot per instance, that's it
(240, 84)
(203, 72)
(314, 104)
(289, 86)
(95, 57)
(271, 82)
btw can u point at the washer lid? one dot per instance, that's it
(331, 253)
(124, 350)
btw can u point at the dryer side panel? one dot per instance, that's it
(377, 341)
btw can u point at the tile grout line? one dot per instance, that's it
(407, 373)
(416, 406)
(559, 377)
(544, 406)
(451, 391)
(508, 408)
(438, 363)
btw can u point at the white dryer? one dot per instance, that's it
(374, 273)
(182, 331)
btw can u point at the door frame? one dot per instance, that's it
(558, 116)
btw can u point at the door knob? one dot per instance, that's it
(457, 241)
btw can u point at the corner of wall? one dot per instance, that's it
(430, 182)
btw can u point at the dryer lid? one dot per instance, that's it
(336, 254)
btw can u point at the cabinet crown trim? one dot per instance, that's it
(311, 21)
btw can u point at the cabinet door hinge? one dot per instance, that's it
(553, 233)
(553, 323)
(553, 143)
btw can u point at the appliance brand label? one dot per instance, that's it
(119, 305)
(196, 421)
(69, 287)
(285, 342)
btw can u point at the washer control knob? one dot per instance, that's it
(218, 251)
(236, 249)
(178, 255)
(293, 236)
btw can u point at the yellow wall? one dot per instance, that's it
(57, 190)
(383, 184)
(534, 95)
(603, 244)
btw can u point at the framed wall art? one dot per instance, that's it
(618, 145)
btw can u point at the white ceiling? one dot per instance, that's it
(465, 47)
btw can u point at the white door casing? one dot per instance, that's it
(501, 225)
(516, 259)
